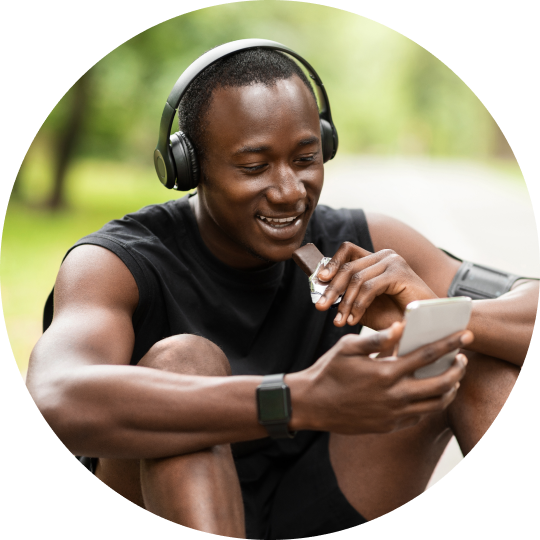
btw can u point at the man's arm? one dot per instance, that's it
(100, 406)
(502, 326)
(80, 377)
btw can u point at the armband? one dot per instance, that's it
(480, 282)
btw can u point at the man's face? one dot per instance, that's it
(263, 164)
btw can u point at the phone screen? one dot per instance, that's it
(427, 321)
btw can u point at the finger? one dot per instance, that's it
(342, 277)
(433, 351)
(341, 257)
(359, 294)
(432, 405)
(352, 345)
(408, 421)
(346, 252)
(435, 387)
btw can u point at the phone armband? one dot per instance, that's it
(481, 282)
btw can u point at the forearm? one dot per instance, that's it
(503, 327)
(137, 412)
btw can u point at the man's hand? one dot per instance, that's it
(377, 286)
(350, 393)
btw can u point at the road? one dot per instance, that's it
(474, 211)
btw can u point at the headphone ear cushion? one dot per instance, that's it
(328, 140)
(193, 161)
(185, 160)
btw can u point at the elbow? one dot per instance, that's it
(65, 413)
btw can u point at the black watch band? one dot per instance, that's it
(274, 406)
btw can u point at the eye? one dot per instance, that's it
(254, 168)
(307, 159)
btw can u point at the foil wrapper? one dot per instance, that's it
(317, 287)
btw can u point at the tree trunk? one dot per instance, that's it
(67, 140)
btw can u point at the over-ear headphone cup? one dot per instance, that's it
(328, 140)
(185, 160)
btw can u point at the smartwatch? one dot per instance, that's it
(274, 406)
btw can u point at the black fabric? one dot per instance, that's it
(265, 322)
(362, 230)
(290, 490)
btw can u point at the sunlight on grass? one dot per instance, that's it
(35, 240)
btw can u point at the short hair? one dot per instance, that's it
(244, 68)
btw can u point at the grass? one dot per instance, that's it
(35, 240)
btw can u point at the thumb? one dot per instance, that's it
(380, 341)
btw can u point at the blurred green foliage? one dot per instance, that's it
(388, 95)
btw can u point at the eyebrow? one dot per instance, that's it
(251, 150)
(266, 148)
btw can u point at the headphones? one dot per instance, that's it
(174, 157)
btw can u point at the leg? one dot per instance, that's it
(504, 486)
(378, 473)
(481, 396)
(198, 490)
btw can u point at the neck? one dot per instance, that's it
(222, 246)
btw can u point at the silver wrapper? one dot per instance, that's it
(317, 287)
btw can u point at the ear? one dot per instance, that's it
(327, 140)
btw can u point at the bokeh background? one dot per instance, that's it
(407, 124)
(415, 142)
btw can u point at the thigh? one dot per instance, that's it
(308, 501)
(380, 472)
(481, 396)
(119, 488)
(185, 354)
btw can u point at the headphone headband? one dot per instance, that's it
(162, 157)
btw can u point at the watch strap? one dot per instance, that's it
(277, 379)
(278, 429)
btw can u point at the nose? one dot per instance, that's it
(287, 187)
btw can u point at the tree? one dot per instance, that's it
(67, 138)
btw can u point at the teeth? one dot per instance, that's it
(275, 220)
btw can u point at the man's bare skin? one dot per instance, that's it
(162, 429)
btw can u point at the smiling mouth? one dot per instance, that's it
(278, 223)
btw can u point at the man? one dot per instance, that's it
(193, 290)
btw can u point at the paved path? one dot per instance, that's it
(471, 210)
(468, 209)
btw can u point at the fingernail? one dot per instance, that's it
(464, 359)
(323, 273)
(457, 386)
(338, 318)
(465, 339)
(350, 319)
(321, 300)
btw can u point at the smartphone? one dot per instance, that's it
(427, 321)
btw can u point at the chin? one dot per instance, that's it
(279, 253)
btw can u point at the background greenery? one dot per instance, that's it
(92, 159)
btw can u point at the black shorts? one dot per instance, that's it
(290, 489)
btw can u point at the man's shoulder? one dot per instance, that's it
(155, 220)
(152, 224)
(338, 225)
(326, 217)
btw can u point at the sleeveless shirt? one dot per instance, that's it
(263, 320)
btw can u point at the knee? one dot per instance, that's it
(486, 374)
(482, 394)
(187, 354)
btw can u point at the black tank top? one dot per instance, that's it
(263, 320)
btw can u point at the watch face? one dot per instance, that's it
(272, 404)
